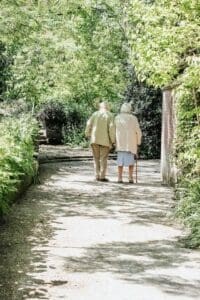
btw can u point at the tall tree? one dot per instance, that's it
(70, 52)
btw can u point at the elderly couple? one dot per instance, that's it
(105, 132)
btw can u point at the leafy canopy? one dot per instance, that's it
(62, 49)
(164, 38)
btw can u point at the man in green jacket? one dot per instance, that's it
(101, 131)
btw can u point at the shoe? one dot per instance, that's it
(120, 181)
(104, 179)
(131, 181)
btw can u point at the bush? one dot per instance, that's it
(187, 148)
(148, 110)
(53, 113)
(76, 116)
(17, 137)
(65, 121)
(147, 105)
(188, 209)
(54, 117)
(4, 69)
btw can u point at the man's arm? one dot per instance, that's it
(88, 129)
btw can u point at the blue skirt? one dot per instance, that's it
(125, 158)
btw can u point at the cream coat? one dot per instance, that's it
(100, 129)
(128, 133)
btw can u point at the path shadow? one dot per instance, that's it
(157, 263)
(71, 191)
(27, 225)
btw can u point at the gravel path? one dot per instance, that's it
(84, 240)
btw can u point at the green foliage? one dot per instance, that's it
(189, 210)
(72, 52)
(164, 36)
(4, 69)
(53, 113)
(76, 117)
(148, 110)
(17, 138)
(147, 102)
(188, 161)
(75, 53)
(165, 50)
(53, 117)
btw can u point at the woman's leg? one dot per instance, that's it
(120, 172)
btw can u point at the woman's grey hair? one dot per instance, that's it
(126, 108)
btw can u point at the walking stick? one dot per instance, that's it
(136, 169)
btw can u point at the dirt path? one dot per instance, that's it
(73, 238)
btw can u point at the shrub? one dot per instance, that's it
(188, 209)
(187, 148)
(4, 69)
(53, 116)
(147, 105)
(53, 113)
(76, 116)
(17, 138)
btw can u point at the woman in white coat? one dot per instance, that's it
(128, 137)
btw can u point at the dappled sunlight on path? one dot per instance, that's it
(106, 240)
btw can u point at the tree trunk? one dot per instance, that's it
(168, 168)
